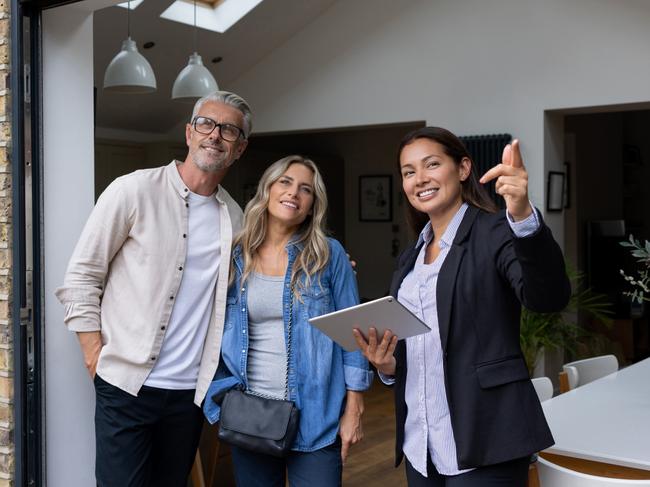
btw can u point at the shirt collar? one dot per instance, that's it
(426, 235)
(294, 245)
(180, 186)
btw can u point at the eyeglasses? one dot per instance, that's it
(206, 126)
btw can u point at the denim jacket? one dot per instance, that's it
(320, 371)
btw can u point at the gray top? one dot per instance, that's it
(267, 352)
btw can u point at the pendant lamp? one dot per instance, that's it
(129, 71)
(194, 81)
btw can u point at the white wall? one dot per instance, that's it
(68, 198)
(473, 66)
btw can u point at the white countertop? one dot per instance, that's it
(607, 420)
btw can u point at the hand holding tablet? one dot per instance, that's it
(383, 314)
(378, 354)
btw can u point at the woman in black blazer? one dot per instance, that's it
(466, 411)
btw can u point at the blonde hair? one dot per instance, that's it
(315, 253)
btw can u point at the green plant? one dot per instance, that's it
(553, 331)
(641, 282)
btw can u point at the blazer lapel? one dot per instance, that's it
(407, 264)
(449, 273)
(445, 290)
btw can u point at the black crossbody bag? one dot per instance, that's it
(258, 423)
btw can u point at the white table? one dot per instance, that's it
(606, 421)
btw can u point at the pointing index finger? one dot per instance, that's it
(493, 173)
(515, 157)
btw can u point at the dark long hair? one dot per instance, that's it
(471, 190)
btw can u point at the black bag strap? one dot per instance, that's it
(286, 377)
(288, 345)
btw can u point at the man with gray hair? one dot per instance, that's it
(145, 291)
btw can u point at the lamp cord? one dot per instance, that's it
(195, 29)
(128, 20)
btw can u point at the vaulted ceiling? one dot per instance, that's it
(266, 27)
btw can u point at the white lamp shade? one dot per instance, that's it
(129, 71)
(194, 81)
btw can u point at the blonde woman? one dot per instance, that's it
(285, 270)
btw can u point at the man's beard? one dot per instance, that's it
(211, 162)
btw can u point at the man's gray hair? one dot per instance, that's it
(232, 100)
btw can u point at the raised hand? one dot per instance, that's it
(378, 354)
(511, 181)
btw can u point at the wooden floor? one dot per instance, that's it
(370, 462)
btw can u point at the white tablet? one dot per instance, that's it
(383, 314)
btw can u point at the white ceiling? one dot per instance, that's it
(265, 28)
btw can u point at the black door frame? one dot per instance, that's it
(27, 200)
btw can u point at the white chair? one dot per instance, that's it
(552, 475)
(582, 372)
(543, 387)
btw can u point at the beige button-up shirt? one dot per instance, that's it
(127, 267)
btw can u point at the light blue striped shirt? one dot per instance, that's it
(428, 424)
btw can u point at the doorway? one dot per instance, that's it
(71, 182)
(608, 164)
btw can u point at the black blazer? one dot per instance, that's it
(486, 276)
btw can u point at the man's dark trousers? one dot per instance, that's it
(148, 440)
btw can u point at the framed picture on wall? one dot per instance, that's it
(375, 198)
(555, 191)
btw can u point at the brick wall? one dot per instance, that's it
(6, 358)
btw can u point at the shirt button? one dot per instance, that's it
(185, 235)
(153, 358)
(162, 327)
(180, 268)
(187, 205)
(243, 309)
(243, 331)
(171, 297)
(186, 190)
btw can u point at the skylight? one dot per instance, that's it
(134, 4)
(214, 15)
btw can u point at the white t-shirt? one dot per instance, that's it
(180, 356)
